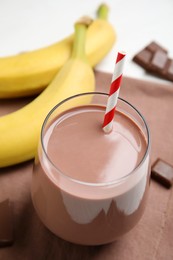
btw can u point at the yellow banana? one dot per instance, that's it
(20, 130)
(29, 73)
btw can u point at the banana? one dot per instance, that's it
(20, 130)
(29, 73)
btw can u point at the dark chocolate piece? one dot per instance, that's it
(154, 59)
(162, 172)
(6, 223)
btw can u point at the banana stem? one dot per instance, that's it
(79, 38)
(102, 12)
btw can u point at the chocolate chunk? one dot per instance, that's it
(162, 172)
(6, 223)
(154, 59)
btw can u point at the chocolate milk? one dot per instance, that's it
(87, 193)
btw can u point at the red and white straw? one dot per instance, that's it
(114, 92)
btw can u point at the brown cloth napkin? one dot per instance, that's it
(151, 239)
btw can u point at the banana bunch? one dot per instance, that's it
(20, 130)
(29, 73)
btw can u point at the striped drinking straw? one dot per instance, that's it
(113, 93)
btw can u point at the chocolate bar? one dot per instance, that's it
(162, 172)
(154, 59)
(6, 223)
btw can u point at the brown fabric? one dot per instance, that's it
(151, 239)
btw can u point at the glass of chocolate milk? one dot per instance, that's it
(89, 187)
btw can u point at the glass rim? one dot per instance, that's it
(93, 184)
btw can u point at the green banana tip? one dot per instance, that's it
(102, 11)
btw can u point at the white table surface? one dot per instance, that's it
(31, 24)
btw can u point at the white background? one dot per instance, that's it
(31, 24)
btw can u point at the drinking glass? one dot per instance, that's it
(84, 212)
